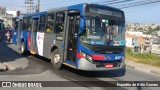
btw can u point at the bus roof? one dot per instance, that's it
(79, 7)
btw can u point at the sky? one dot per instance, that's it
(146, 14)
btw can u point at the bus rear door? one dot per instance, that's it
(33, 47)
(19, 31)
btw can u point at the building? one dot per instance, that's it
(1, 24)
(10, 15)
(144, 41)
(7, 16)
(2, 16)
(130, 37)
(2, 12)
(15, 13)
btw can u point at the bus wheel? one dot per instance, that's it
(22, 48)
(56, 59)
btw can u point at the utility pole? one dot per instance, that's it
(38, 6)
(30, 6)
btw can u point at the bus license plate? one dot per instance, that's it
(109, 65)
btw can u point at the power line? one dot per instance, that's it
(121, 4)
(139, 4)
(117, 2)
(114, 3)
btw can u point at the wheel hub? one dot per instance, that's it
(22, 48)
(56, 58)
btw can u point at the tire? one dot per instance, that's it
(56, 60)
(22, 48)
(9, 40)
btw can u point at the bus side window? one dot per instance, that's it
(42, 24)
(24, 24)
(50, 23)
(59, 24)
(29, 24)
(35, 27)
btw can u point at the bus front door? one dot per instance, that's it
(73, 21)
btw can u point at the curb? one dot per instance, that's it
(2, 67)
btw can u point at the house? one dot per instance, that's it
(130, 38)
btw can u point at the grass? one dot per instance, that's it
(144, 58)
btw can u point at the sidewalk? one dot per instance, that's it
(2, 67)
(143, 67)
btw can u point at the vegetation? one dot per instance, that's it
(150, 30)
(144, 58)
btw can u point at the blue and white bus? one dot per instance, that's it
(88, 37)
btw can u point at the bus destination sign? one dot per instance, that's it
(105, 12)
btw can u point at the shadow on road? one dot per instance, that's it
(10, 57)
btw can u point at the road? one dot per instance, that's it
(35, 68)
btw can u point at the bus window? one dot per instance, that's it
(24, 25)
(49, 28)
(50, 23)
(35, 27)
(42, 23)
(59, 24)
(29, 24)
(50, 17)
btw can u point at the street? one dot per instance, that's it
(36, 68)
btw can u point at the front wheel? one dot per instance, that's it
(56, 59)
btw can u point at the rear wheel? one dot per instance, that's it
(56, 59)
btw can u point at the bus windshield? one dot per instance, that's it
(103, 31)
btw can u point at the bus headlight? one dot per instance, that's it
(83, 54)
(86, 56)
(89, 57)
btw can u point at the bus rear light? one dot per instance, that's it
(97, 57)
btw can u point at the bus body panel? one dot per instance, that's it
(40, 43)
(14, 36)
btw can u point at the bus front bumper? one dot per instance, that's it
(86, 65)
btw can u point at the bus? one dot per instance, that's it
(88, 37)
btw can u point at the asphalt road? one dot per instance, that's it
(35, 68)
